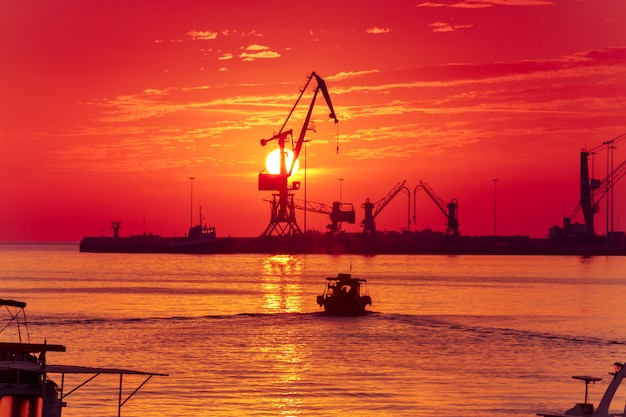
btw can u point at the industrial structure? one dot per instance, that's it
(592, 192)
(373, 209)
(449, 210)
(283, 205)
(284, 235)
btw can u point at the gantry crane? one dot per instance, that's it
(448, 209)
(283, 216)
(373, 209)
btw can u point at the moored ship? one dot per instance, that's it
(200, 239)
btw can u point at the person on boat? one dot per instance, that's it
(618, 367)
(352, 292)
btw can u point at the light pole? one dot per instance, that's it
(610, 179)
(191, 201)
(495, 182)
(340, 190)
(608, 144)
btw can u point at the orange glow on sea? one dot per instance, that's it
(466, 335)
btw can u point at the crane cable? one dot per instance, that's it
(616, 139)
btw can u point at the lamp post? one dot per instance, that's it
(611, 179)
(495, 182)
(191, 201)
(340, 190)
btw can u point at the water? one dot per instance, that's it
(241, 335)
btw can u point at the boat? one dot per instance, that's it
(200, 239)
(344, 295)
(26, 388)
(586, 408)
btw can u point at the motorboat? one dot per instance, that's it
(344, 295)
(586, 408)
(26, 389)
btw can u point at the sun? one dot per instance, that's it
(272, 162)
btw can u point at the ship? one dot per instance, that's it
(200, 239)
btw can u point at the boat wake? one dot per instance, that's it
(473, 325)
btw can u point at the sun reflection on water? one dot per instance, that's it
(289, 364)
(282, 289)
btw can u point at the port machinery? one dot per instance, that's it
(282, 203)
(450, 210)
(373, 209)
(592, 191)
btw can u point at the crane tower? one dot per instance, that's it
(282, 206)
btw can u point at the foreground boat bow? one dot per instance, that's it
(26, 390)
(586, 408)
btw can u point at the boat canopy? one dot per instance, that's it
(12, 303)
(11, 347)
(83, 370)
(73, 369)
(348, 278)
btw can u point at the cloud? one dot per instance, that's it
(255, 51)
(448, 106)
(445, 27)
(481, 4)
(201, 35)
(350, 74)
(376, 30)
(259, 55)
(225, 57)
(256, 47)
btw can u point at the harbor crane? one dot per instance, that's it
(338, 213)
(282, 214)
(373, 209)
(448, 209)
(592, 190)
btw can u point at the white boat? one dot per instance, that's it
(26, 389)
(586, 408)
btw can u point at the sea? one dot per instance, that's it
(242, 335)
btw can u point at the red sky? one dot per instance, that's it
(108, 107)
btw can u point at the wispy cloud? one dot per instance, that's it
(446, 27)
(350, 74)
(459, 101)
(376, 30)
(159, 102)
(197, 35)
(255, 51)
(481, 4)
